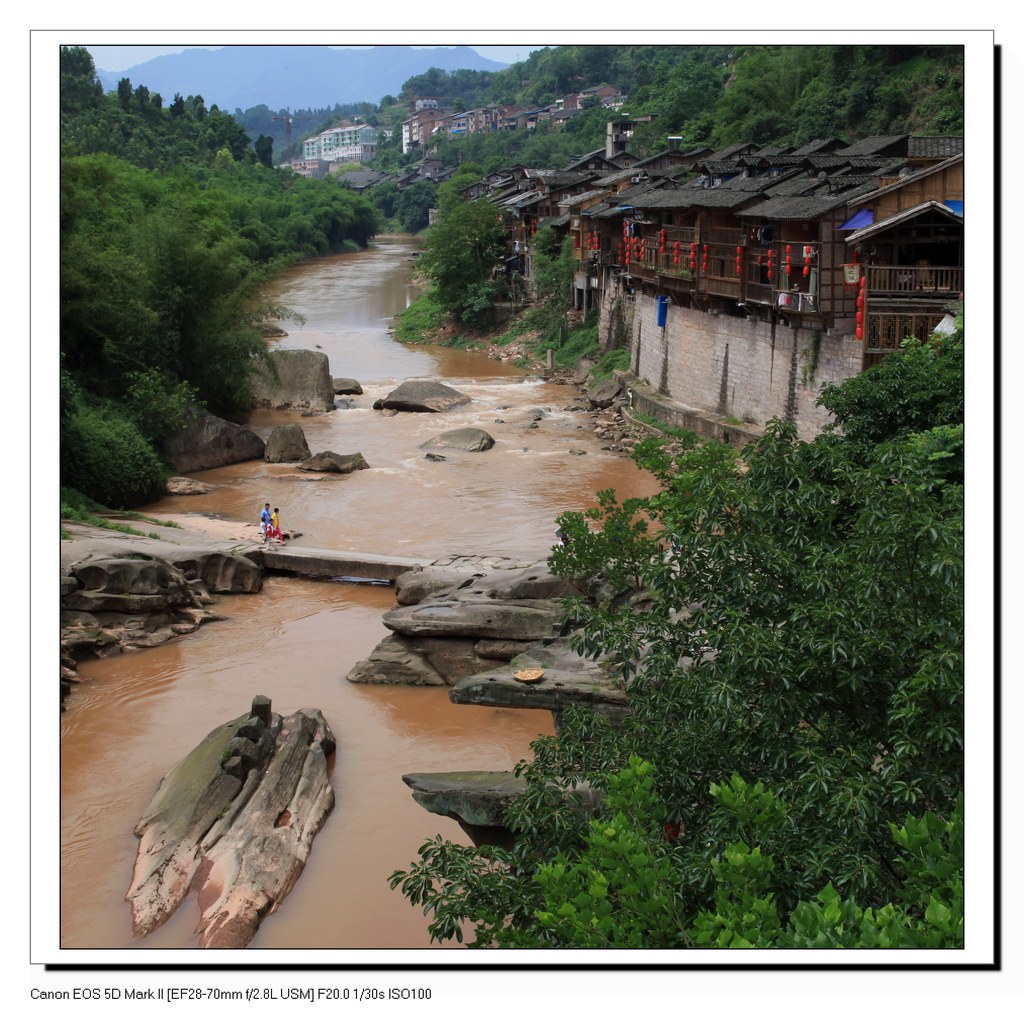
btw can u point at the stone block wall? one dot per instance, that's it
(732, 366)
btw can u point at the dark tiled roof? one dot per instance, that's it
(583, 197)
(731, 151)
(819, 146)
(614, 177)
(557, 179)
(873, 145)
(938, 146)
(802, 207)
(797, 185)
(722, 166)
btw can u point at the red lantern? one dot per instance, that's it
(860, 333)
(859, 318)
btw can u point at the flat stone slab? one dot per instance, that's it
(555, 691)
(332, 564)
(507, 620)
(479, 800)
(568, 679)
(473, 797)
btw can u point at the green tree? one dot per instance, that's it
(797, 620)
(414, 205)
(462, 250)
(264, 148)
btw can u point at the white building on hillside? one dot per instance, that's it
(346, 143)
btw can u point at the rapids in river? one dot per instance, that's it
(133, 717)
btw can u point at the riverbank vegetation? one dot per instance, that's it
(171, 221)
(789, 624)
(471, 302)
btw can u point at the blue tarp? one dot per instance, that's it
(956, 205)
(861, 219)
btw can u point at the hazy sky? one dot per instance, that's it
(117, 58)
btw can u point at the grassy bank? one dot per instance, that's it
(526, 337)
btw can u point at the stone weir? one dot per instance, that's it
(121, 592)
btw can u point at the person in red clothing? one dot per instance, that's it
(275, 527)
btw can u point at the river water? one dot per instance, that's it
(135, 716)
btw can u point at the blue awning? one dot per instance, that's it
(956, 205)
(861, 219)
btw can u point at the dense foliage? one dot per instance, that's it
(789, 627)
(707, 95)
(170, 223)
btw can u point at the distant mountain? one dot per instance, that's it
(293, 77)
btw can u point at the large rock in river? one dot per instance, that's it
(236, 819)
(287, 443)
(295, 379)
(467, 439)
(208, 442)
(422, 396)
(332, 462)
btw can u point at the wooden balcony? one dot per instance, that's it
(911, 281)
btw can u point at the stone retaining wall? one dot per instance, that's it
(738, 367)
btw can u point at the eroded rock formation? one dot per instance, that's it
(236, 818)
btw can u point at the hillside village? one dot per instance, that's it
(740, 279)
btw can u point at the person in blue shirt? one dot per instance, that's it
(264, 522)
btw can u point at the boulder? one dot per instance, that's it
(467, 439)
(287, 443)
(332, 462)
(236, 819)
(294, 379)
(603, 394)
(422, 396)
(346, 386)
(208, 442)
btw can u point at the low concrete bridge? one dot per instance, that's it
(331, 564)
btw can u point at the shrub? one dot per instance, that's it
(104, 456)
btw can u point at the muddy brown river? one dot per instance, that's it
(135, 716)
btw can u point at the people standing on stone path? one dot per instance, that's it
(264, 522)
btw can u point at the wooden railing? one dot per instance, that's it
(908, 280)
(887, 331)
